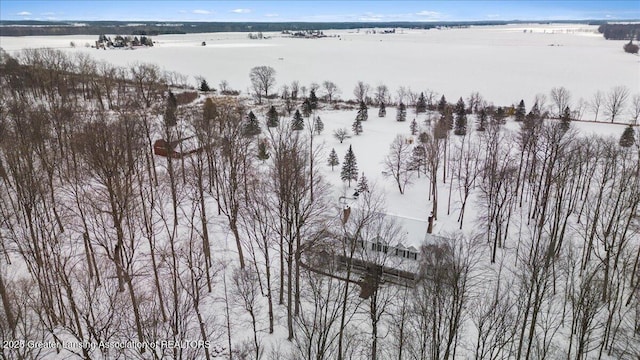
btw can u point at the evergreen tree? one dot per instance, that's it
(363, 184)
(382, 111)
(521, 112)
(421, 105)
(313, 100)
(356, 127)
(627, 139)
(262, 151)
(251, 127)
(461, 118)
(402, 113)
(298, 121)
(272, 117)
(318, 125)
(171, 106)
(442, 104)
(418, 158)
(204, 86)
(565, 119)
(482, 120)
(441, 129)
(349, 167)
(333, 159)
(306, 108)
(363, 113)
(500, 115)
(414, 127)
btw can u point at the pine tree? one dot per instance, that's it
(356, 127)
(313, 100)
(520, 111)
(272, 117)
(418, 158)
(298, 121)
(318, 125)
(565, 119)
(414, 127)
(306, 108)
(421, 105)
(204, 86)
(461, 118)
(171, 107)
(442, 104)
(500, 115)
(262, 151)
(349, 167)
(251, 127)
(627, 139)
(482, 120)
(402, 112)
(333, 159)
(363, 184)
(363, 113)
(382, 111)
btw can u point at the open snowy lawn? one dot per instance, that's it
(504, 63)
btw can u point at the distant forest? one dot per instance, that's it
(153, 28)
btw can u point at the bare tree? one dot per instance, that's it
(635, 108)
(596, 103)
(341, 134)
(247, 292)
(397, 163)
(614, 103)
(561, 98)
(382, 94)
(331, 89)
(361, 91)
(263, 78)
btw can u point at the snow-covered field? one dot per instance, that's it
(504, 63)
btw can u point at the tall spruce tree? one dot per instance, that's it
(402, 112)
(313, 99)
(171, 107)
(482, 120)
(628, 137)
(298, 122)
(272, 117)
(421, 105)
(251, 127)
(442, 104)
(333, 159)
(414, 127)
(461, 118)
(363, 184)
(318, 125)
(306, 108)
(363, 113)
(204, 86)
(349, 167)
(356, 127)
(382, 111)
(521, 111)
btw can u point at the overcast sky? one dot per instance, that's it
(319, 11)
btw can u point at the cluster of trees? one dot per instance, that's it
(620, 31)
(123, 41)
(103, 241)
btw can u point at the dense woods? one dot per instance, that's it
(240, 246)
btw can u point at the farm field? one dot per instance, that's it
(240, 235)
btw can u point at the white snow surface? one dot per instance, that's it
(504, 63)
